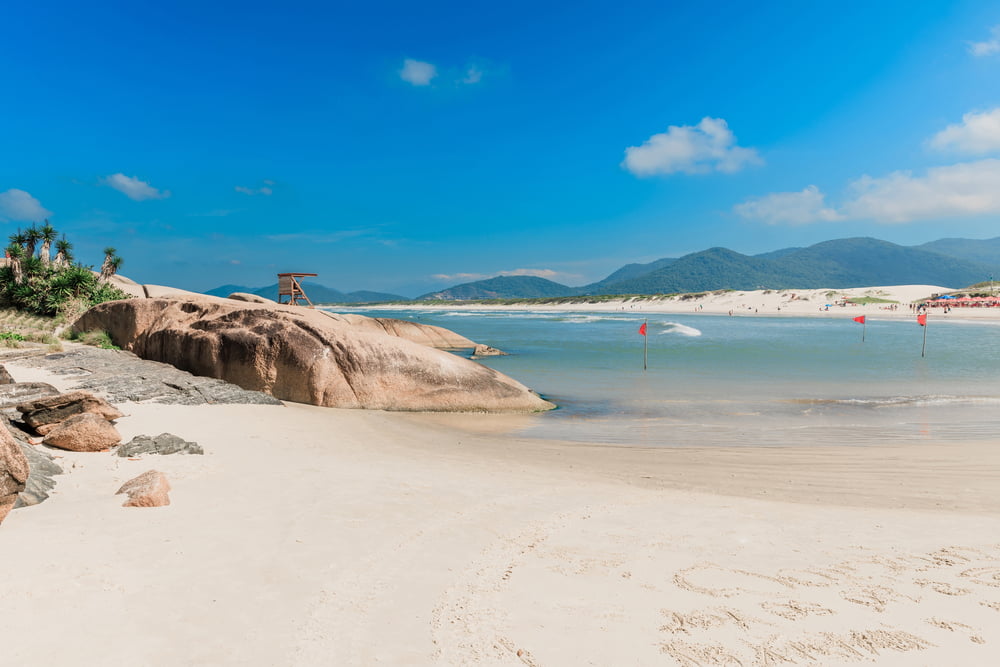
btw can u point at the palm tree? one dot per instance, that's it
(109, 266)
(31, 239)
(48, 234)
(19, 238)
(64, 256)
(15, 254)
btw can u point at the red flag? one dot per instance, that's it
(642, 329)
(922, 319)
(860, 319)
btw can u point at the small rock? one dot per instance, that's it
(165, 443)
(486, 351)
(5, 377)
(87, 432)
(44, 413)
(147, 490)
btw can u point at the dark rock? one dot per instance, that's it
(5, 377)
(165, 443)
(41, 470)
(12, 395)
(122, 376)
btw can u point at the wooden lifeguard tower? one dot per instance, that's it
(289, 285)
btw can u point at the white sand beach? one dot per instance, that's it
(317, 536)
(759, 303)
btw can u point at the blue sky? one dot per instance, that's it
(404, 147)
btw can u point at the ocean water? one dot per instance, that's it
(743, 380)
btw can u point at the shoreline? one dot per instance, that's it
(745, 303)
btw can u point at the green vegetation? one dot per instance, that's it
(99, 339)
(36, 284)
(863, 300)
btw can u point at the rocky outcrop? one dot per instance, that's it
(249, 298)
(44, 414)
(425, 334)
(306, 356)
(163, 444)
(87, 432)
(13, 471)
(5, 377)
(150, 489)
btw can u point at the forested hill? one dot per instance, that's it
(502, 287)
(856, 262)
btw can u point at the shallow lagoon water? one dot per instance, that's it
(743, 380)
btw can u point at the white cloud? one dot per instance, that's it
(537, 273)
(954, 191)
(133, 188)
(465, 277)
(19, 206)
(266, 189)
(472, 75)
(989, 47)
(964, 189)
(796, 208)
(417, 72)
(708, 146)
(977, 134)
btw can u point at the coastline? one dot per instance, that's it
(311, 535)
(745, 303)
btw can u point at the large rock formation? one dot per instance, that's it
(425, 334)
(302, 355)
(13, 471)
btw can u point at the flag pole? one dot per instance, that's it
(864, 328)
(645, 344)
(924, 347)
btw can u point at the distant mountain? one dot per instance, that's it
(627, 272)
(317, 293)
(985, 251)
(776, 254)
(842, 263)
(715, 268)
(502, 287)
